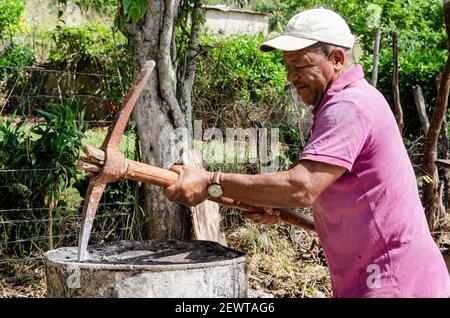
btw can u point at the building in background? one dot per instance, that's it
(229, 20)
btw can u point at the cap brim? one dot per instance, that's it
(286, 43)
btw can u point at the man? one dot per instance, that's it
(354, 172)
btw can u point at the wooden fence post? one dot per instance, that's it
(396, 92)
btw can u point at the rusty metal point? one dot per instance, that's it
(115, 163)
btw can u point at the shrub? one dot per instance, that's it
(13, 56)
(13, 59)
(237, 83)
(94, 49)
(91, 47)
(108, 7)
(11, 12)
(50, 152)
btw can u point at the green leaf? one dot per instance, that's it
(134, 10)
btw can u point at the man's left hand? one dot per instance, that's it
(270, 216)
(191, 187)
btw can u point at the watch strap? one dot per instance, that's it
(215, 178)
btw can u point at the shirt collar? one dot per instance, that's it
(353, 74)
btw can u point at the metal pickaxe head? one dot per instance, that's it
(114, 162)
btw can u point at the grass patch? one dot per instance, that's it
(280, 265)
(95, 136)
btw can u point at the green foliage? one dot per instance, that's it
(14, 58)
(237, 84)
(11, 12)
(234, 69)
(13, 144)
(421, 37)
(50, 152)
(108, 7)
(57, 146)
(53, 145)
(280, 11)
(134, 10)
(290, 135)
(94, 49)
(92, 46)
(130, 11)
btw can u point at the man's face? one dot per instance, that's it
(311, 72)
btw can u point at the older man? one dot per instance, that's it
(354, 172)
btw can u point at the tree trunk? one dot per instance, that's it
(421, 108)
(432, 189)
(446, 172)
(158, 114)
(397, 106)
(187, 75)
(376, 56)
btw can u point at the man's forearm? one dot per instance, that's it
(280, 190)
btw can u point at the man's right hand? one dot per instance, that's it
(269, 216)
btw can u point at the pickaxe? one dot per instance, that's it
(109, 165)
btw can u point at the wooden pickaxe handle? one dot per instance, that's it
(146, 173)
(139, 171)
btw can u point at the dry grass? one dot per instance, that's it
(24, 279)
(282, 262)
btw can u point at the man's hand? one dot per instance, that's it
(191, 187)
(270, 216)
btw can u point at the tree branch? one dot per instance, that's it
(421, 108)
(187, 80)
(166, 73)
(376, 56)
(396, 92)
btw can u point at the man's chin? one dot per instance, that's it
(305, 100)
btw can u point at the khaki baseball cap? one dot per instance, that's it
(309, 27)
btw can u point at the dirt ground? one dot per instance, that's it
(282, 263)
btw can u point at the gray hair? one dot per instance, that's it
(326, 49)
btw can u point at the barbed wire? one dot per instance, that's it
(65, 207)
(59, 97)
(45, 70)
(58, 219)
(38, 121)
(26, 170)
(45, 237)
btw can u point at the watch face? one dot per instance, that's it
(215, 190)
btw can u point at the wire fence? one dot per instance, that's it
(44, 70)
(25, 230)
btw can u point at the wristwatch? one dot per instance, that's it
(214, 187)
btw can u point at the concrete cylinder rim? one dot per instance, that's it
(240, 258)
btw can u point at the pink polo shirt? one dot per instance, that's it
(370, 222)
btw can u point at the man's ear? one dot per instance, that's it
(337, 56)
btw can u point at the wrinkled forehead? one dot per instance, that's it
(306, 55)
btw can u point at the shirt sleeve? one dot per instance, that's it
(339, 133)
